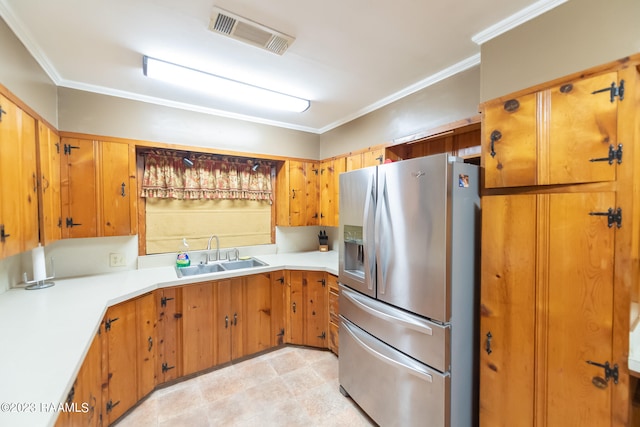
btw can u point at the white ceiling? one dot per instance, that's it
(349, 57)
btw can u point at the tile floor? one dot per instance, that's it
(291, 386)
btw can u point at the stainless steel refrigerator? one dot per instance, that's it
(409, 286)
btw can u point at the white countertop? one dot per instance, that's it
(45, 334)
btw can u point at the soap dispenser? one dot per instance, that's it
(182, 260)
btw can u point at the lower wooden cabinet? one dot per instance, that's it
(177, 331)
(169, 354)
(198, 339)
(547, 310)
(84, 401)
(129, 329)
(308, 313)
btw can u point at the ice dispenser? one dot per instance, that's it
(353, 250)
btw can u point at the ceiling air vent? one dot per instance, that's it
(247, 31)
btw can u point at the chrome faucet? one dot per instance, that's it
(236, 254)
(209, 248)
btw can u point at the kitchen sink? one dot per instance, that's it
(242, 263)
(198, 269)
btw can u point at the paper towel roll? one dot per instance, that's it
(39, 264)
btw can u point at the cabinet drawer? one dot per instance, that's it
(334, 305)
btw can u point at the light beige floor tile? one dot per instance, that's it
(288, 387)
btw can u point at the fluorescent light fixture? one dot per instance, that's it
(221, 86)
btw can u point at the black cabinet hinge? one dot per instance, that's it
(613, 91)
(163, 301)
(281, 333)
(3, 235)
(609, 372)
(68, 148)
(108, 322)
(323, 281)
(71, 224)
(166, 367)
(323, 335)
(1, 113)
(110, 405)
(615, 154)
(614, 216)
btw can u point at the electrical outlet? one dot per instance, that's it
(117, 260)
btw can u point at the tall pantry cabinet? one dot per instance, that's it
(560, 227)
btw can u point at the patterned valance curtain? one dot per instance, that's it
(211, 177)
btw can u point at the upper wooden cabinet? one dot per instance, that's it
(18, 180)
(297, 193)
(563, 135)
(371, 157)
(98, 188)
(49, 183)
(330, 171)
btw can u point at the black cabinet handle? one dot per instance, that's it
(487, 347)
(226, 322)
(294, 307)
(235, 319)
(122, 193)
(150, 344)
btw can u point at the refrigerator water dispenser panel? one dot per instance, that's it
(353, 250)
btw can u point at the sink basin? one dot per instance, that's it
(243, 263)
(194, 270)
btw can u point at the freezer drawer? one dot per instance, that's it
(421, 339)
(392, 388)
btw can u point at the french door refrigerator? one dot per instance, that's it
(409, 276)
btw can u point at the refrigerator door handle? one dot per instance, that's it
(382, 225)
(368, 239)
(407, 364)
(406, 322)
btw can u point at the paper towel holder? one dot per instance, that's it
(40, 284)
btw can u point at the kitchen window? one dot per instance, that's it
(192, 196)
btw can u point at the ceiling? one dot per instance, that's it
(348, 57)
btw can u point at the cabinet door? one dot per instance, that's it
(49, 178)
(279, 281)
(169, 309)
(78, 188)
(257, 313)
(510, 143)
(295, 300)
(28, 182)
(507, 311)
(329, 191)
(121, 330)
(198, 327)
(118, 188)
(373, 157)
(316, 308)
(223, 321)
(146, 344)
(85, 396)
(578, 321)
(303, 193)
(18, 192)
(583, 125)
